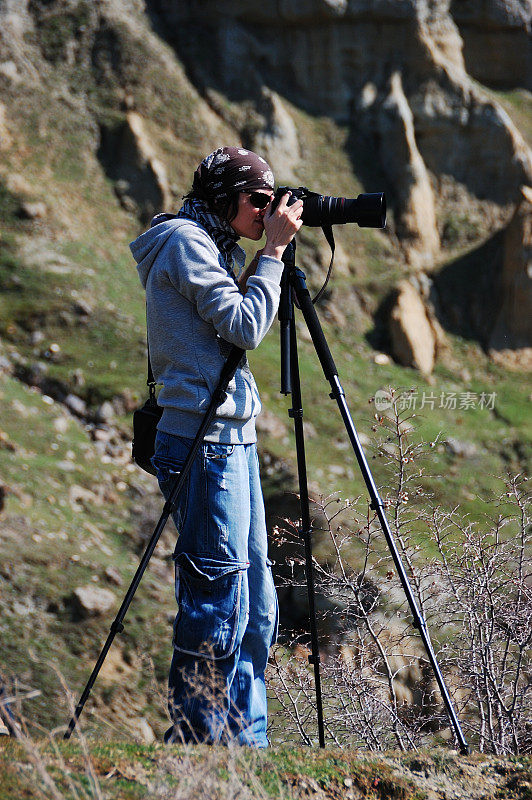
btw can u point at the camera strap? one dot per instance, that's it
(328, 233)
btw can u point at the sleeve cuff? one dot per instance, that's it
(270, 268)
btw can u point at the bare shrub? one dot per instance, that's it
(472, 582)
(486, 606)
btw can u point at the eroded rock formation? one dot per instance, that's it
(130, 159)
(276, 136)
(394, 72)
(416, 217)
(511, 340)
(412, 335)
(496, 36)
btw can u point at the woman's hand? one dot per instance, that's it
(281, 226)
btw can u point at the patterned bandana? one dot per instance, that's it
(230, 169)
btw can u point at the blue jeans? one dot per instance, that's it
(227, 605)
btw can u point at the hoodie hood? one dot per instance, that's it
(146, 248)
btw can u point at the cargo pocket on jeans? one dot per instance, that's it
(208, 593)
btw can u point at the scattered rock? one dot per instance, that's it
(92, 601)
(61, 424)
(101, 434)
(163, 568)
(6, 443)
(115, 669)
(5, 365)
(5, 137)
(336, 469)
(32, 210)
(78, 378)
(37, 337)
(82, 308)
(105, 413)
(113, 575)
(334, 314)
(35, 374)
(518, 360)
(18, 184)
(309, 430)
(9, 70)
(24, 607)
(461, 449)
(76, 405)
(141, 730)
(39, 254)
(125, 402)
(66, 466)
(80, 497)
(269, 424)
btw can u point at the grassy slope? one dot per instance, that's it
(86, 234)
(134, 771)
(69, 516)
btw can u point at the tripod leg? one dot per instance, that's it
(296, 412)
(337, 393)
(117, 626)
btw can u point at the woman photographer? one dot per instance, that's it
(196, 309)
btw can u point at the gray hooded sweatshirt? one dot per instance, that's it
(195, 311)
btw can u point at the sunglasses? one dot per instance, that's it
(259, 199)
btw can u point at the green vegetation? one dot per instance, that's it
(70, 514)
(518, 104)
(59, 26)
(127, 771)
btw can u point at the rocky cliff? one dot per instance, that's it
(397, 75)
(393, 71)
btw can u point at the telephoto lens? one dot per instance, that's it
(367, 210)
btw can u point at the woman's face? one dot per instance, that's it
(249, 219)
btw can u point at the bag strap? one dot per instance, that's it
(151, 382)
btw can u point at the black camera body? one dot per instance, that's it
(367, 210)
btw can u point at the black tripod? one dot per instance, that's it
(294, 285)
